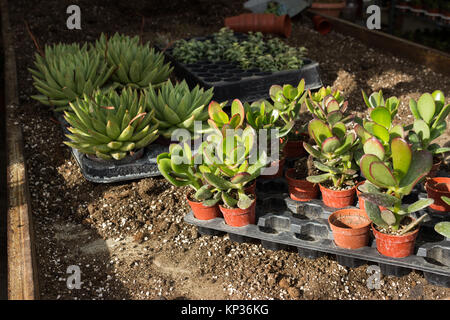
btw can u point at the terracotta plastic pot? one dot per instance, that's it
(279, 173)
(435, 168)
(262, 22)
(237, 217)
(322, 25)
(436, 188)
(337, 198)
(329, 9)
(294, 148)
(204, 213)
(301, 190)
(361, 201)
(395, 246)
(250, 188)
(350, 228)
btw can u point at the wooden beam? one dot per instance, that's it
(22, 266)
(434, 59)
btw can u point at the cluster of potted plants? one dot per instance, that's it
(430, 8)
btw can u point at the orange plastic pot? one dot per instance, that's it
(277, 174)
(301, 190)
(329, 9)
(337, 198)
(436, 188)
(322, 25)
(251, 189)
(350, 228)
(202, 212)
(236, 217)
(361, 201)
(435, 168)
(293, 149)
(262, 22)
(395, 246)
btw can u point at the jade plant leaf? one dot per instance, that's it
(347, 144)
(421, 164)
(446, 199)
(443, 228)
(319, 131)
(380, 132)
(388, 217)
(401, 157)
(368, 187)
(241, 177)
(439, 100)
(203, 193)
(422, 129)
(244, 201)
(382, 116)
(419, 205)
(339, 130)
(334, 117)
(382, 175)
(331, 144)
(373, 211)
(319, 178)
(441, 116)
(381, 199)
(364, 164)
(229, 200)
(310, 149)
(414, 109)
(397, 132)
(373, 146)
(362, 133)
(217, 181)
(426, 107)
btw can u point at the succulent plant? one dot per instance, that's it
(230, 164)
(66, 72)
(323, 92)
(136, 64)
(443, 228)
(219, 119)
(334, 150)
(181, 167)
(328, 109)
(393, 217)
(110, 125)
(430, 113)
(177, 106)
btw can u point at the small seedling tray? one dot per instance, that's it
(107, 172)
(231, 82)
(282, 223)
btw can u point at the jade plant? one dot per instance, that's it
(136, 65)
(66, 72)
(397, 177)
(177, 107)
(430, 113)
(110, 125)
(181, 167)
(328, 108)
(334, 151)
(443, 228)
(219, 119)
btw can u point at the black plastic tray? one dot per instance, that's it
(283, 223)
(106, 172)
(231, 82)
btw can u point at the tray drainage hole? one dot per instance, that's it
(205, 75)
(268, 230)
(193, 65)
(304, 237)
(212, 79)
(246, 74)
(234, 79)
(263, 73)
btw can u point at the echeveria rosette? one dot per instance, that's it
(178, 107)
(404, 170)
(430, 113)
(179, 166)
(334, 150)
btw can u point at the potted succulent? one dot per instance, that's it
(227, 170)
(299, 188)
(334, 149)
(350, 228)
(430, 113)
(109, 127)
(288, 101)
(181, 168)
(438, 189)
(331, 8)
(395, 231)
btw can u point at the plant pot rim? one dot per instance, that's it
(396, 236)
(237, 208)
(337, 191)
(200, 203)
(355, 212)
(430, 186)
(321, 5)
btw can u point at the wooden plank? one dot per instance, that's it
(436, 60)
(22, 266)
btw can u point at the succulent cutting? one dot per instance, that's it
(110, 125)
(66, 72)
(177, 107)
(136, 65)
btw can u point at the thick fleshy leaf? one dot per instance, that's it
(426, 107)
(397, 131)
(382, 176)
(368, 187)
(346, 145)
(381, 199)
(334, 117)
(373, 146)
(213, 108)
(319, 131)
(339, 130)
(244, 201)
(419, 205)
(203, 193)
(388, 217)
(414, 109)
(238, 108)
(364, 164)
(319, 178)
(324, 167)
(439, 100)
(421, 164)
(311, 150)
(241, 177)
(332, 105)
(373, 211)
(229, 200)
(421, 129)
(217, 181)
(330, 144)
(443, 228)
(380, 132)
(381, 115)
(441, 116)
(401, 157)
(362, 133)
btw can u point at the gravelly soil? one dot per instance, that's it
(129, 239)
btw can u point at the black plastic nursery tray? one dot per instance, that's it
(231, 82)
(282, 223)
(109, 172)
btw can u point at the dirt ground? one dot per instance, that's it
(129, 239)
